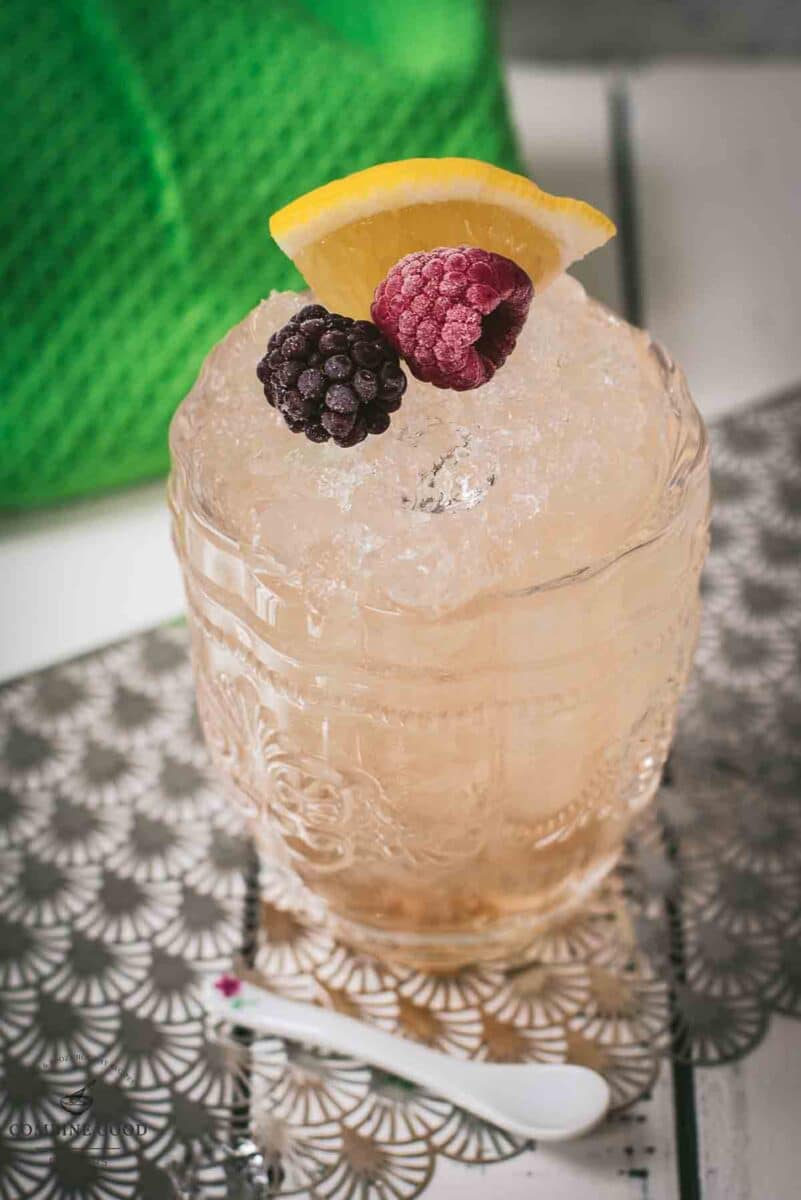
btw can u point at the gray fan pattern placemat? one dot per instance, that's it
(125, 878)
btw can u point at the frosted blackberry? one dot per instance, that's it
(331, 377)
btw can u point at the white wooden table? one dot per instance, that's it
(701, 165)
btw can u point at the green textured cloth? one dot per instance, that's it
(144, 147)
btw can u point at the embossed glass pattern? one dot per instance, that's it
(444, 782)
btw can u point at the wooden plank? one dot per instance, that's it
(718, 176)
(562, 119)
(718, 166)
(748, 1119)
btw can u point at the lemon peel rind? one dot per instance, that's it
(567, 222)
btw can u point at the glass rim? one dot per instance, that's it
(690, 416)
(598, 566)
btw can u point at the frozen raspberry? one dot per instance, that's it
(453, 314)
(331, 377)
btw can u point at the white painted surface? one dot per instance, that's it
(718, 173)
(79, 576)
(630, 1158)
(749, 1115)
(562, 118)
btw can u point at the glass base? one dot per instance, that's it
(503, 943)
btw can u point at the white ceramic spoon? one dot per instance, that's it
(549, 1102)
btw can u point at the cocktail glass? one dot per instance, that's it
(443, 757)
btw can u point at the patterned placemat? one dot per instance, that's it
(126, 880)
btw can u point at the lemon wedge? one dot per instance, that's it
(344, 237)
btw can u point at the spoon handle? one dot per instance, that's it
(548, 1101)
(267, 1013)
